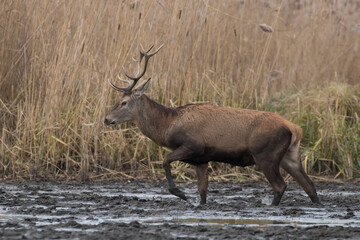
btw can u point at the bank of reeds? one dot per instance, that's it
(300, 60)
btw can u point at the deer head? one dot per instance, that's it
(126, 109)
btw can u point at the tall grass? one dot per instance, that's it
(56, 56)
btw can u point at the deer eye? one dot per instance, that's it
(123, 103)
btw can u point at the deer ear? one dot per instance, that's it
(140, 90)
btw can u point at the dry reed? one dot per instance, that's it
(55, 57)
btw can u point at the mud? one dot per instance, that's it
(145, 210)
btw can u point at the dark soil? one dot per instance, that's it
(145, 210)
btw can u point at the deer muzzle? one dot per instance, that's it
(108, 121)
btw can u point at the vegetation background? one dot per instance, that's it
(56, 57)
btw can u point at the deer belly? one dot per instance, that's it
(241, 158)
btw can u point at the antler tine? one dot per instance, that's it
(155, 52)
(117, 88)
(142, 53)
(135, 79)
(150, 49)
(123, 80)
(147, 56)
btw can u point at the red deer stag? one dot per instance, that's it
(200, 133)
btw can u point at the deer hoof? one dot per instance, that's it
(316, 201)
(178, 192)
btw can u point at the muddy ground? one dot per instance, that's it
(145, 210)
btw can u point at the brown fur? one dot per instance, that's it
(200, 133)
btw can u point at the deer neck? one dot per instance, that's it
(154, 119)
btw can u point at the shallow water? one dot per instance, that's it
(137, 209)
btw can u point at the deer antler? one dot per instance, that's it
(132, 83)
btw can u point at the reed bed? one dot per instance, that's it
(297, 58)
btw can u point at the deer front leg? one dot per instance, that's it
(202, 176)
(179, 154)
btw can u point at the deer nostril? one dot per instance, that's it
(108, 122)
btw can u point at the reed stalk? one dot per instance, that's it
(299, 59)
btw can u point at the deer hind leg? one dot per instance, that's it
(272, 174)
(268, 149)
(291, 163)
(202, 176)
(268, 163)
